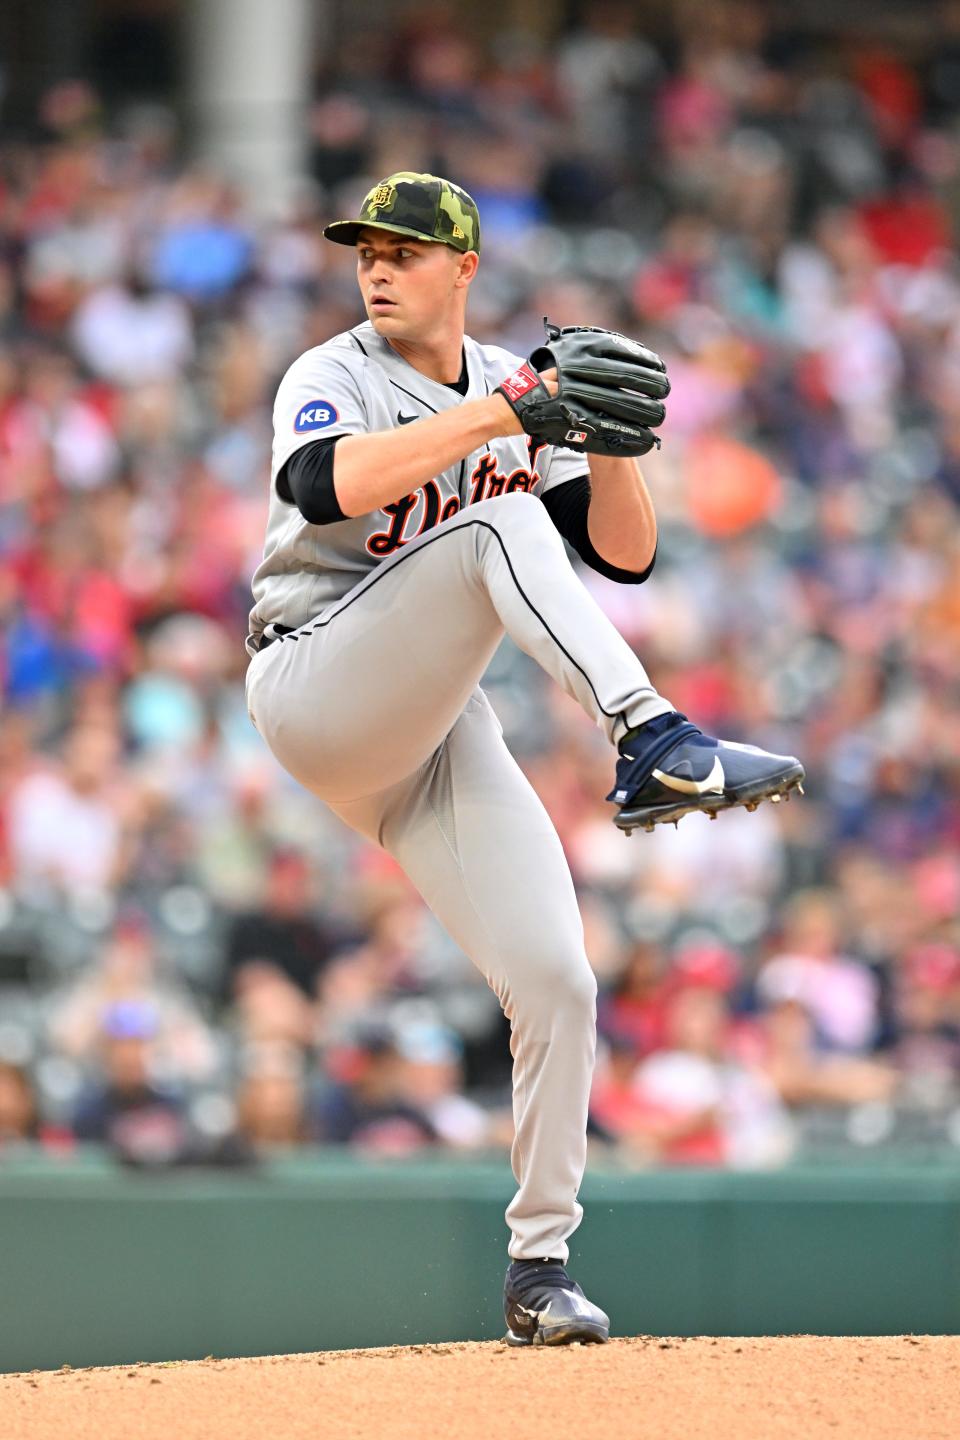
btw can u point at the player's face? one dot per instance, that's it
(409, 286)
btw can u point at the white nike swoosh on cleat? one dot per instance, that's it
(714, 782)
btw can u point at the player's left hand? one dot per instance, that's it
(609, 393)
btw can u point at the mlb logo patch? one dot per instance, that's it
(315, 415)
(576, 437)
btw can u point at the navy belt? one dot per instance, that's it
(279, 632)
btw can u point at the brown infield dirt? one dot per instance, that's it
(668, 1389)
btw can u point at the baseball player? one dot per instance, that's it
(422, 486)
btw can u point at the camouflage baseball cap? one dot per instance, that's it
(410, 204)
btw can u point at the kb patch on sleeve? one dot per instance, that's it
(315, 415)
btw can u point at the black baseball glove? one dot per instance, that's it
(610, 392)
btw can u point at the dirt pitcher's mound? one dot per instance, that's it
(663, 1389)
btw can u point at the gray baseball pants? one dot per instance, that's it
(374, 706)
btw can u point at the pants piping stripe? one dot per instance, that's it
(484, 524)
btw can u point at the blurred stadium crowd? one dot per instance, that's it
(197, 961)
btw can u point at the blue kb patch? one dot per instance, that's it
(315, 415)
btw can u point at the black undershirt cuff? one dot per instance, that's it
(567, 505)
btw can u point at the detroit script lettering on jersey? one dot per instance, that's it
(414, 514)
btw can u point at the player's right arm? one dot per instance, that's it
(370, 471)
(333, 459)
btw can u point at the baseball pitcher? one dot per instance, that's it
(421, 489)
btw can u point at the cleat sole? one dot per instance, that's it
(575, 1332)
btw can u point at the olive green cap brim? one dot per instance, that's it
(346, 232)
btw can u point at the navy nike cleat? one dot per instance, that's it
(668, 768)
(543, 1306)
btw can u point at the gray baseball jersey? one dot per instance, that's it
(373, 703)
(351, 385)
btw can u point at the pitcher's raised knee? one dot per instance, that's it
(517, 526)
(505, 513)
